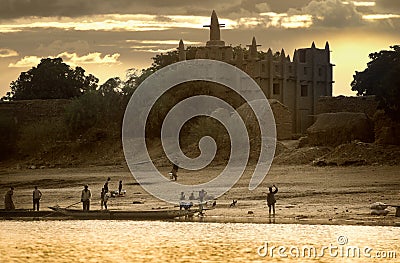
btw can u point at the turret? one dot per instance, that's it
(269, 53)
(328, 52)
(295, 56)
(253, 53)
(181, 51)
(283, 56)
(313, 45)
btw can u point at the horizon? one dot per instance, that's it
(107, 39)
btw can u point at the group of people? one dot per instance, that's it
(271, 200)
(86, 195)
(104, 195)
(9, 203)
(201, 198)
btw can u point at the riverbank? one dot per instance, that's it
(307, 194)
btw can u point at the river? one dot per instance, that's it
(158, 241)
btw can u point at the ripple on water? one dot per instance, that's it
(144, 241)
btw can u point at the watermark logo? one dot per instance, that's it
(342, 240)
(339, 250)
(145, 97)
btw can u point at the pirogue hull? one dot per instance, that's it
(26, 213)
(124, 215)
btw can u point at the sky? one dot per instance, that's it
(107, 38)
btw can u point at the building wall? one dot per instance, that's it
(297, 84)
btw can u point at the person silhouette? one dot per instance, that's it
(36, 195)
(85, 198)
(271, 199)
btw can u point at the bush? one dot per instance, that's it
(40, 136)
(94, 110)
(8, 138)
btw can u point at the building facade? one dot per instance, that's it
(296, 83)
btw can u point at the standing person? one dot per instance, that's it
(36, 195)
(174, 171)
(106, 184)
(120, 187)
(85, 198)
(8, 202)
(102, 198)
(106, 197)
(202, 195)
(271, 199)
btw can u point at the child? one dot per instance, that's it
(106, 196)
(102, 198)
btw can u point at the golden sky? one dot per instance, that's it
(108, 37)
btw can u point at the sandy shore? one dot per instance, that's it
(307, 194)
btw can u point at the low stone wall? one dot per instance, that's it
(28, 111)
(333, 129)
(363, 104)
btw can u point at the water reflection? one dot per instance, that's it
(132, 241)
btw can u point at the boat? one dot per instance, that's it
(124, 215)
(19, 213)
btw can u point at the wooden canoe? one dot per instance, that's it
(17, 213)
(124, 215)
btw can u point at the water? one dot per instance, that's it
(137, 241)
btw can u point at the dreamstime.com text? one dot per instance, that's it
(339, 250)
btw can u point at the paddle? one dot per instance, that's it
(64, 208)
(72, 205)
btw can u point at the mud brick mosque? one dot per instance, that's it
(296, 83)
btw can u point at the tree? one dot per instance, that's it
(382, 79)
(111, 86)
(51, 79)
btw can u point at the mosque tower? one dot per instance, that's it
(215, 32)
(253, 53)
(181, 51)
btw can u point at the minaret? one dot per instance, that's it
(253, 53)
(215, 32)
(283, 55)
(328, 52)
(181, 51)
(269, 53)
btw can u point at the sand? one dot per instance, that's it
(307, 194)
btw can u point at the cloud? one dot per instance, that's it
(43, 8)
(331, 13)
(158, 46)
(380, 16)
(110, 22)
(77, 8)
(91, 58)
(6, 53)
(287, 21)
(26, 62)
(59, 46)
(363, 3)
(71, 59)
(391, 6)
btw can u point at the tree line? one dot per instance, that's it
(54, 79)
